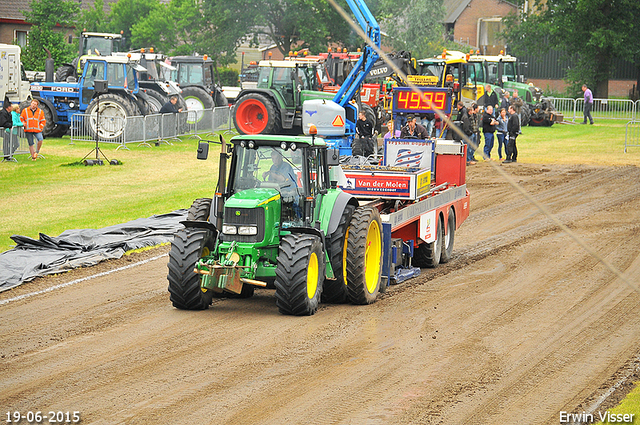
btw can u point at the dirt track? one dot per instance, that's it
(521, 325)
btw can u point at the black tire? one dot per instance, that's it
(142, 102)
(187, 247)
(525, 115)
(364, 255)
(448, 238)
(429, 254)
(299, 274)
(156, 100)
(200, 210)
(254, 113)
(50, 127)
(114, 109)
(219, 98)
(335, 290)
(370, 115)
(65, 71)
(197, 100)
(59, 131)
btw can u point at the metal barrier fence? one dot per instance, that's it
(616, 109)
(150, 128)
(632, 135)
(14, 142)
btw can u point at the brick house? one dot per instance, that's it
(477, 23)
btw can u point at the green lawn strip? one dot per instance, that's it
(49, 196)
(630, 405)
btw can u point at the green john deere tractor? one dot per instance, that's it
(281, 223)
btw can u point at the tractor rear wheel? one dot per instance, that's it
(114, 110)
(255, 114)
(299, 274)
(156, 101)
(64, 72)
(448, 238)
(364, 255)
(428, 254)
(525, 115)
(335, 290)
(197, 100)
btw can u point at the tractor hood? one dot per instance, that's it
(252, 198)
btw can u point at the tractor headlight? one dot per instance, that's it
(293, 146)
(283, 146)
(247, 230)
(229, 230)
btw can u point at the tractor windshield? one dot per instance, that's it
(275, 168)
(188, 74)
(99, 46)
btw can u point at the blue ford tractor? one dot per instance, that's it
(60, 101)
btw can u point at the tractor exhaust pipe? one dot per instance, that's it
(222, 183)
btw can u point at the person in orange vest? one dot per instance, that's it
(34, 122)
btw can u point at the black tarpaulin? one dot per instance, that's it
(32, 258)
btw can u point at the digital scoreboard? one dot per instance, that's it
(425, 100)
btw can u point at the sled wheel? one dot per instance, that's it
(428, 254)
(448, 238)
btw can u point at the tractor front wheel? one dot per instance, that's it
(255, 114)
(299, 274)
(364, 255)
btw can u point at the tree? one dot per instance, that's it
(214, 27)
(592, 32)
(297, 24)
(45, 15)
(93, 19)
(415, 26)
(127, 13)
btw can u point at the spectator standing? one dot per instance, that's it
(5, 128)
(391, 134)
(475, 136)
(513, 128)
(517, 103)
(489, 98)
(588, 104)
(33, 120)
(413, 129)
(463, 117)
(488, 129)
(502, 132)
(504, 103)
(363, 144)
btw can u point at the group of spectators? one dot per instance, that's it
(32, 119)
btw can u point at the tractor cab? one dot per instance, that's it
(281, 174)
(290, 79)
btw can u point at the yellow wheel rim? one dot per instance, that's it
(312, 276)
(372, 255)
(344, 257)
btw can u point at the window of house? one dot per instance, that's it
(21, 38)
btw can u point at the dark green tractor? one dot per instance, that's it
(279, 223)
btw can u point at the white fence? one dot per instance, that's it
(14, 142)
(150, 128)
(616, 109)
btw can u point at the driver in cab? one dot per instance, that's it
(413, 130)
(280, 172)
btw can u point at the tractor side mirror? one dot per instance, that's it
(333, 157)
(203, 150)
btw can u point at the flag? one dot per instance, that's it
(408, 158)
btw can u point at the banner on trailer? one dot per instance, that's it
(370, 185)
(410, 153)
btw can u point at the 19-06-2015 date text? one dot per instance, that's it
(50, 417)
